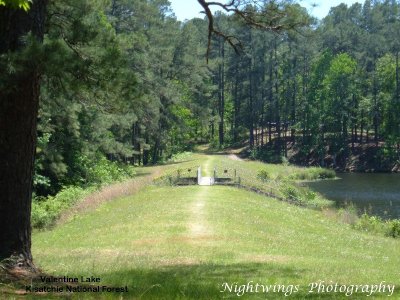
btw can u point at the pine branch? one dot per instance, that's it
(269, 17)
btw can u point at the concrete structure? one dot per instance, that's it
(204, 180)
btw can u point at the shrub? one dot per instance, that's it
(292, 193)
(326, 173)
(105, 172)
(310, 195)
(370, 224)
(45, 211)
(39, 217)
(393, 228)
(299, 175)
(312, 174)
(390, 228)
(263, 175)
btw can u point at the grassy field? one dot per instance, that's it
(187, 242)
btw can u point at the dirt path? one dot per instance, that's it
(198, 226)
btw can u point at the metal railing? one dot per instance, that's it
(226, 177)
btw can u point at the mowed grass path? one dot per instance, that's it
(185, 242)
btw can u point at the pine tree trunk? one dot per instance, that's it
(362, 127)
(278, 128)
(376, 111)
(397, 79)
(236, 109)
(221, 96)
(271, 96)
(18, 113)
(250, 105)
(19, 104)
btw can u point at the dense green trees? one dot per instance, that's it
(108, 91)
(323, 93)
(129, 82)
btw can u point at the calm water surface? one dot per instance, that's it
(377, 194)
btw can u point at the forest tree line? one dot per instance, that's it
(124, 81)
(325, 94)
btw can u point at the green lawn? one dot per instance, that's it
(186, 242)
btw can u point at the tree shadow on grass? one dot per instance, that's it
(202, 281)
(206, 281)
(171, 163)
(141, 173)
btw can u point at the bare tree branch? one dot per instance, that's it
(270, 16)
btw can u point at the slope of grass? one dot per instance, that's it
(185, 242)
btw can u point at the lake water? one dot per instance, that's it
(377, 194)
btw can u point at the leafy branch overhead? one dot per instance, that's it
(274, 16)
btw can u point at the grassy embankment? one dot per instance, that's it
(185, 242)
